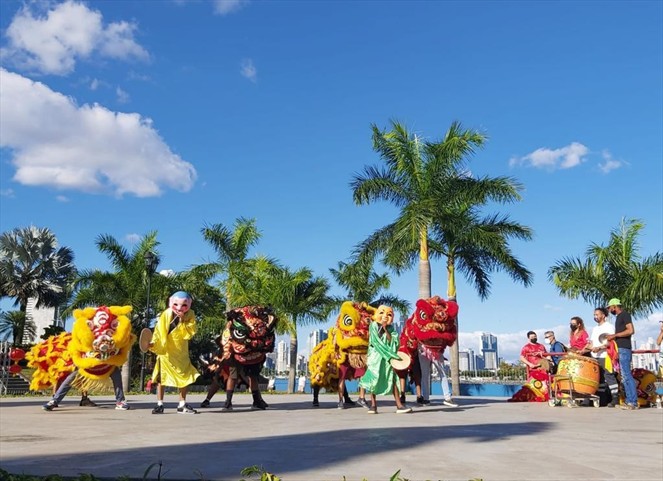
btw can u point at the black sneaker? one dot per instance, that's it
(49, 406)
(158, 409)
(260, 404)
(420, 400)
(316, 404)
(340, 405)
(610, 405)
(228, 406)
(186, 409)
(205, 403)
(86, 401)
(403, 398)
(349, 403)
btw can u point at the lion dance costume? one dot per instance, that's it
(426, 334)
(100, 342)
(343, 354)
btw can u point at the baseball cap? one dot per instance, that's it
(614, 302)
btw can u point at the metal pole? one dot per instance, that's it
(146, 324)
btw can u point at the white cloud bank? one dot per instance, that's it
(88, 148)
(551, 159)
(51, 42)
(226, 7)
(248, 70)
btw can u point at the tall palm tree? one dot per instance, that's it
(298, 298)
(429, 182)
(416, 172)
(33, 266)
(614, 270)
(232, 249)
(15, 325)
(363, 284)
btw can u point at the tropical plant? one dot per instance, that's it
(298, 298)
(33, 266)
(438, 202)
(232, 249)
(614, 270)
(363, 284)
(16, 325)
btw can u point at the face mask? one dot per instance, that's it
(533, 341)
(596, 319)
(549, 340)
(573, 328)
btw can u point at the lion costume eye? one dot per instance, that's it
(347, 320)
(422, 315)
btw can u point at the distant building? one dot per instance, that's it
(282, 351)
(646, 361)
(315, 338)
(489, 351)
(42, 317)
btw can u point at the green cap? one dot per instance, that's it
(614, 302)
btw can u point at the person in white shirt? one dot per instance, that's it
(599, 352)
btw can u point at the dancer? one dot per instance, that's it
(380, 377)
(172, 333)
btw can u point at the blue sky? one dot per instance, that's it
(126, 117)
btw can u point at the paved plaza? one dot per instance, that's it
(483, 438)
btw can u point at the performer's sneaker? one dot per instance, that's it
(158, 409)
(372, 410)
(259, 404)
(186, 409)
(122, 406)
(228, 406)
(362, 402)
(629, 407)
(450, 403)
(610, 405)
(421, 401)
(403, 410)
(50, 405)
(403, 398)
(341, 405)
(86, 401)
(205, 403)
(316, 404)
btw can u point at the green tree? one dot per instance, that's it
(614, 270)
(14, 325)
(33, 266)
(439, 202)
(363, 284)
(232, 249)
(298, 298)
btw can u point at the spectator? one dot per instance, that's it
(556, 347)
(624, 330)
(578, 338)
(599, 352)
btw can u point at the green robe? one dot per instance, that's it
(380, 377)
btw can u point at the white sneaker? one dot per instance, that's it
(450, 403)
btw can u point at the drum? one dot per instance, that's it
(403, 361)
(584, 374)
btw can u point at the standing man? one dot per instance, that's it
(172, 333)
(556, 347)
(600, 353)
(624, 330)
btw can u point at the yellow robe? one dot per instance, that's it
(173, 366)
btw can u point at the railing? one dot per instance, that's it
(5, 362)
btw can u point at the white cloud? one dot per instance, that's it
(549, 307)
(62, 198)
(566, 157)
(7, 193)
(248, 70)
(52, 42)
(133, 238)
(94, 85)
(87, 148)
(122, 96)
(226, 7)
(609, 164)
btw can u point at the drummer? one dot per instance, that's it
(532, 356)
(380, 377)
(578, 337)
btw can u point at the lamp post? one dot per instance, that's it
(151, 262)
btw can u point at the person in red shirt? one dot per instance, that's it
(531, 355)
(579, 337)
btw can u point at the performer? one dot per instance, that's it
(99, 344)
(170, 342)
(380, 377)
(536, 388)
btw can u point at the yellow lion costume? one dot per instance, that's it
(100, 341)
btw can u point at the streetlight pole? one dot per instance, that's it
(151, 262)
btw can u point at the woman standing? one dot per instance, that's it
(579, 337)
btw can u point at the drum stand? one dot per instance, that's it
(572, 398)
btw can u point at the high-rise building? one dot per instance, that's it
(282, 351)
(489, 351)
(42, 317)
(315, 338)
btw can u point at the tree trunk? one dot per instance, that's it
(424, 267)
(455, 356)
(126, 374)
(292, 375)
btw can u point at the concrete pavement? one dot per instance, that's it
(484, 438)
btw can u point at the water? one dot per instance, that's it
(466, 389)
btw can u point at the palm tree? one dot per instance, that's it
(232, 248)
(417, 172)
(614, 270)
(363, 284)
(429, 182)
(33, 266)
(298, 298)
(15, 324)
